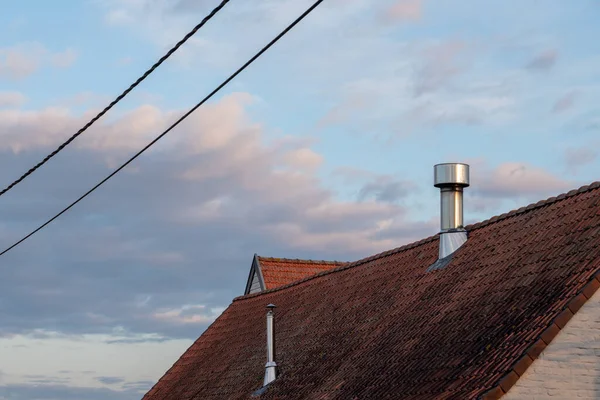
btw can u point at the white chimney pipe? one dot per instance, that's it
(451, 178)
(270, 366)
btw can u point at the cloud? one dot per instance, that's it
(543, 61)
(189, 314)
(385, 190)
(440, 65)
(64, 59)
(124, 61)
(592, 125)
(403, 10)
(480, 204)
(213, 192)
(102, 361)
(12, 99)
(351, 104)
(21, 130)
(516, 180)
(578, 157)
(22, 60)
(303, 159)
(565, 102)
(110, 380)
(468, 110)
(62, 392)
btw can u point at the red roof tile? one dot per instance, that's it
(281, 271)
(459, 332)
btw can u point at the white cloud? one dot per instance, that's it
(24, 59)
(64, 59)
(189, 314)
(12, 99)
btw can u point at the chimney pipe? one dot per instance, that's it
(451, 178)
(270, 366)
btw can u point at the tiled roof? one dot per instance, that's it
(462, 332)
(281, 271)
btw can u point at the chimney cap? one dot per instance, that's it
(451, 174)
(271, 306)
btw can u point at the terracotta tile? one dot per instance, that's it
(577, 303)
(550, 333)
(522, 365)
(508, 381)
(590, 288)
(493, 394)
(564, 317)
(536, 349)
(282, 271)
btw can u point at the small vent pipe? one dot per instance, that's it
(271, 365)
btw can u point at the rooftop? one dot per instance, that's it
(465, 331)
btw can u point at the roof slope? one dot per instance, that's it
(406, 333)
(281, 271)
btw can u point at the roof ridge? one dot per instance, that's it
(307, 261)
(533, 206)
(472, 227)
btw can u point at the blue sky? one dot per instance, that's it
(324, 148)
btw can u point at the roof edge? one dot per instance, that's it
(533, 206)
(554, 327)
(305, 261)
(472, 227)
(162, 378)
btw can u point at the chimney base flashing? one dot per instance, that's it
(270, 373)
(440, 263)
(450, 241)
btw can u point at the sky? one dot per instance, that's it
(324, 149)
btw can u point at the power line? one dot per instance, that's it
(120, 97)
(181, 119)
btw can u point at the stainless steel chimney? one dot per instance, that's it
(270, 366)
(451, 178)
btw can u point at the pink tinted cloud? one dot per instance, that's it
(543, 61)
(12, 99)
(565, 102)
(403, 10)
(24, 59)
(518, 179)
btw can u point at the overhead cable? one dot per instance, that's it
(119, 98)
(170, 128)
